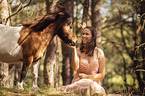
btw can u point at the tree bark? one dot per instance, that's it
(142, 14)
(5, 80)
(66, 68)
(66, 52)
(18, 68)
(124, 63)
(51, 65)
(4, 73)
(85, 11)
(95, 18)
(4, 12)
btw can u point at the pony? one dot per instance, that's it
(28, 43)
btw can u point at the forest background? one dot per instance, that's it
(121, 35)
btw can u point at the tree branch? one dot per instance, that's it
(20, 8)
(141, 45)
(1, 1)
(85, 11)
(116, 23)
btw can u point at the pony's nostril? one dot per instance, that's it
(73, 44)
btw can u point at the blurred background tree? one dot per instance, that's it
(4, 81)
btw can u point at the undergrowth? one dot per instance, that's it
(31, 92)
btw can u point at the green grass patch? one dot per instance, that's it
(30, 92)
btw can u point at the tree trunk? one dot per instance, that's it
(124, 63)
(51, 65)
(11, 74)
(66, 52)
(85, 11)
(142, 14)
(76, 18)
(4, 12)
(17, 74)
(136, 56)
(66, 68)
(95, 18)
(4, 70)
(6, 80)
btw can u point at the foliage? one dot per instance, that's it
(116, 14)
(119, 39)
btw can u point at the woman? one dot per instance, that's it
(89, 63)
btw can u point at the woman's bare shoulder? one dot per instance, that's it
(99, 51)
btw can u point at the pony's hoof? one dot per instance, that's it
(20, 88)
(36, 88)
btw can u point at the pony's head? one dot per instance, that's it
(65, 29)
(63, 26)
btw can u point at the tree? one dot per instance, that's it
(85, 11)
(66, 52)
(123, 32)
(4, 12)
(96, 17)
(142, 43)
(51, 62)
(4, 67)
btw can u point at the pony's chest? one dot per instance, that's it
(36, 45)
(40, 52)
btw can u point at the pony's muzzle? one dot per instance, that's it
(72, 44)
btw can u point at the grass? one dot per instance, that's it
(30, 92)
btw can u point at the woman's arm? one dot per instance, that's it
(75, 59)
(101, 73)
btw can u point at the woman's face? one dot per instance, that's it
(86, 35)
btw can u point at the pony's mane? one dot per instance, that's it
(41, 24)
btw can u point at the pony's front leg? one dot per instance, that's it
(34, 71)
(26, 64)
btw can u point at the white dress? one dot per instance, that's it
(85, 87)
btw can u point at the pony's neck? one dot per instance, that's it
(49, 32)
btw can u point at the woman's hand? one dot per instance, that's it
(83, 76)
(92, 76)
(72, 47)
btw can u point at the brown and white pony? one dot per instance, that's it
(28, 43)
